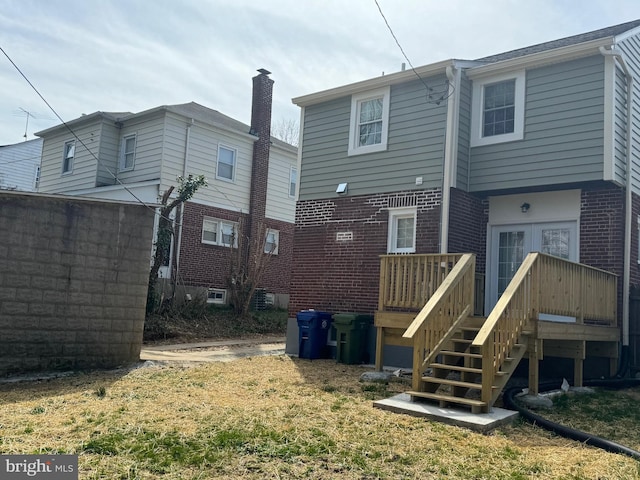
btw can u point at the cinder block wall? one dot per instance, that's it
(73, 282)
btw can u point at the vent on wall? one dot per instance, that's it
(403, 201)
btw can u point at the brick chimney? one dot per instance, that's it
(261, 126)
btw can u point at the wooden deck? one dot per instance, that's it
(552, 307)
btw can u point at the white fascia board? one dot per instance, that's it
(89, 118)
(111, 188)
(547, 57)
(609, 114)
(373, 83)
(627, 34)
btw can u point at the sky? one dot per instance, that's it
(85, 56)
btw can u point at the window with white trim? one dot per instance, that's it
(217, 295)
(402, 230)
(226, 168)
(498, 109)
(128, 153)
(293, 181)
(67, 158)
(369, 125)
(271, 241)
(36, 180)
(219, 232)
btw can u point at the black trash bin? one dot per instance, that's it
(351, 336)
(313, 328)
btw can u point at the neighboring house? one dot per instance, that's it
(20, 166)
(138, 156)
(523, 151)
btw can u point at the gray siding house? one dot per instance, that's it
(20, 166)
(536, 149)
(138, 156)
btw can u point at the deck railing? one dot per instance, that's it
(449, 304)
(407, 282)
(543, 285)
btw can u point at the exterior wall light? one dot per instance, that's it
(524, 208)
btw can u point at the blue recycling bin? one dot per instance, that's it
(313, 330)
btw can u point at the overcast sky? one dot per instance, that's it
(132, 55)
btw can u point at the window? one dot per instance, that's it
(271, 241)
(226, 163)
(36, 180)
(67, 158)
(219, 232)
(369, 122)
(217, 295)
(402, 230)
(293, 181)
(127, 157)
(498, 109)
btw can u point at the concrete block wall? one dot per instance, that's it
(73, 283)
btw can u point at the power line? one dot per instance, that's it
(444, 95)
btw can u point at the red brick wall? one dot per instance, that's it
(343, 275)
(468, 217)
(208, 265)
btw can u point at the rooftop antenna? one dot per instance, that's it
(29, 114)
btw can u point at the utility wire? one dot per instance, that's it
(445, 95)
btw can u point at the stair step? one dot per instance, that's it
(460, 354)
(453, 383)
(456, 368)
(462, 340)
(449, 399)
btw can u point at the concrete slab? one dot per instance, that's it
(481, 422)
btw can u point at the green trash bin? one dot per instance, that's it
(351, 337)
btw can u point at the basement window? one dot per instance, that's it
(217, 296)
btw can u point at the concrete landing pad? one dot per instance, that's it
(480, 422)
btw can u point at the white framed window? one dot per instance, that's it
(217, 296)
(271, 241)
(128, 153)
(219, 232)
(36, 178)
(293, 181)
(369, 125)
(402, 230)
(498, 109)
(69, 153)
(226, 168)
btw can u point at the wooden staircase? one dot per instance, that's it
(454, 377)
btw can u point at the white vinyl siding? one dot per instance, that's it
(150, 149)
(19, 165)
(280, 205)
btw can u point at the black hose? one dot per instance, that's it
(571, 433)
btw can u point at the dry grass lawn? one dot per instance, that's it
(269, 417)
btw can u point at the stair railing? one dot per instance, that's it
(444, 310)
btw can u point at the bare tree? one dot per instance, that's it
(286, 130)
(187, 187)
(248, 263)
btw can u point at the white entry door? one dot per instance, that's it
(510, 244)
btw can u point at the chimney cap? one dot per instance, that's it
(264, 71)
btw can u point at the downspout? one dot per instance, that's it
(184, 175)
(450, 155)
(626, 275)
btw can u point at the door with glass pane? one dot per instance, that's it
(510, 244)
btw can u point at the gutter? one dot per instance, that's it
(626, 276)
(184, 175)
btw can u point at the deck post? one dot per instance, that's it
(379, 349)
(419, 344)
(534, 367)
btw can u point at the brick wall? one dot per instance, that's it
(74, 282)
(468, 217)
(337, 245)
(208, 265)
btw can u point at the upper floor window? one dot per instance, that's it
(219, 232)
(271, 241)
(226, 163)
(498, 109)
(36, 180)
(67, 157)
(293, 181)
(127, 157)
(402, 230)
(369, 122)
